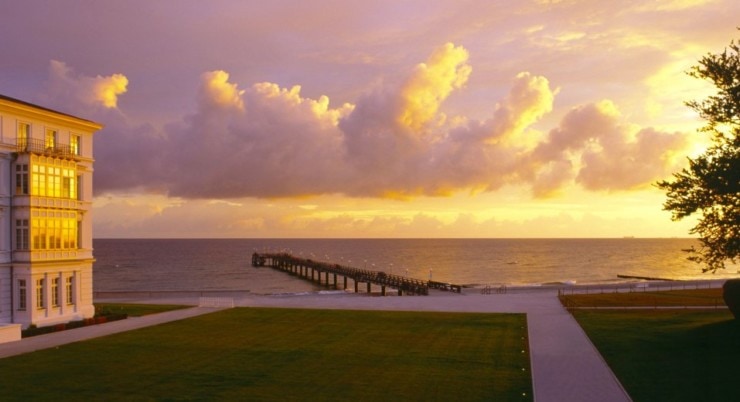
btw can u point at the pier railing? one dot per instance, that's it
(636, 287)
(310, 269)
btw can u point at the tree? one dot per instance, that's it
(711, 183)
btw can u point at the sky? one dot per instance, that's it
(418, 118)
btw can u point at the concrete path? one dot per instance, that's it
(565, 364)
(47, 341)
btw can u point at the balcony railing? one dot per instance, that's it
(38, 146)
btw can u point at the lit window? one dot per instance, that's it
(57, 231)
(55, 292)
(50, 141)
(70, 290)
(74, 144)
(40, 299)
(52, 177)
(24, 133)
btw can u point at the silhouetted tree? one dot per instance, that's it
(711, 184)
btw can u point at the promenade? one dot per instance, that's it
(565, 364)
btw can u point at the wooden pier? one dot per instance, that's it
(322, 272)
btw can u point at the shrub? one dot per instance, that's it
(34, 330)
(731, 294)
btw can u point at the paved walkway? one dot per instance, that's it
(565, 364)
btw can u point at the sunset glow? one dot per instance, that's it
(374, 119)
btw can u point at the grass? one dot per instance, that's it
(672, 298)
(134, 310)
(665, 355)
(289, 354)
(669, 355)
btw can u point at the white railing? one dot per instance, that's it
(225, 302)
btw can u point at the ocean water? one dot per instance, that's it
(225, 264)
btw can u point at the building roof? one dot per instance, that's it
(46, 109)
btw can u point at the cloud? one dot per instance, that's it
(529, 100)
(606, 153)
(630, 163)
(167, 218)
(82, 92)
(270, 141)
(216, 90)
(431, 83)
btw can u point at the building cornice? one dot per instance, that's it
(23, 108)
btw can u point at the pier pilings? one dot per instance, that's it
(300, 267)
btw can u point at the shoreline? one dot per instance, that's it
(322, 297)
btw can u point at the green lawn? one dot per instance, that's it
(678, 355)
(688, 297)
(134, 310)
(289, 354)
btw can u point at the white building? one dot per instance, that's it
(46, 255)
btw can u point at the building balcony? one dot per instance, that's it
(30, 256)
(41, 147)
(35, 201)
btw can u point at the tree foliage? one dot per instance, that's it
(710, 185)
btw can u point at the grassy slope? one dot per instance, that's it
(284, 354)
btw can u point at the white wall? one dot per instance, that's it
(10, 332)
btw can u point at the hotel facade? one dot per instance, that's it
(46, 253)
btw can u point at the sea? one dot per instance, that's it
(225, 264)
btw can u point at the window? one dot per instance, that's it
(69, 187)
(21, 234)
(50, 141)
(74, 144)
(69, 233)
(70, 290)
(24, 133)
(52, 177)
(39, 234)
(21, 179)
(22, 297)
(54, 230)
(55, 292)
(40, 299)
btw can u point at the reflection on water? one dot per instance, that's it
(224, 264)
